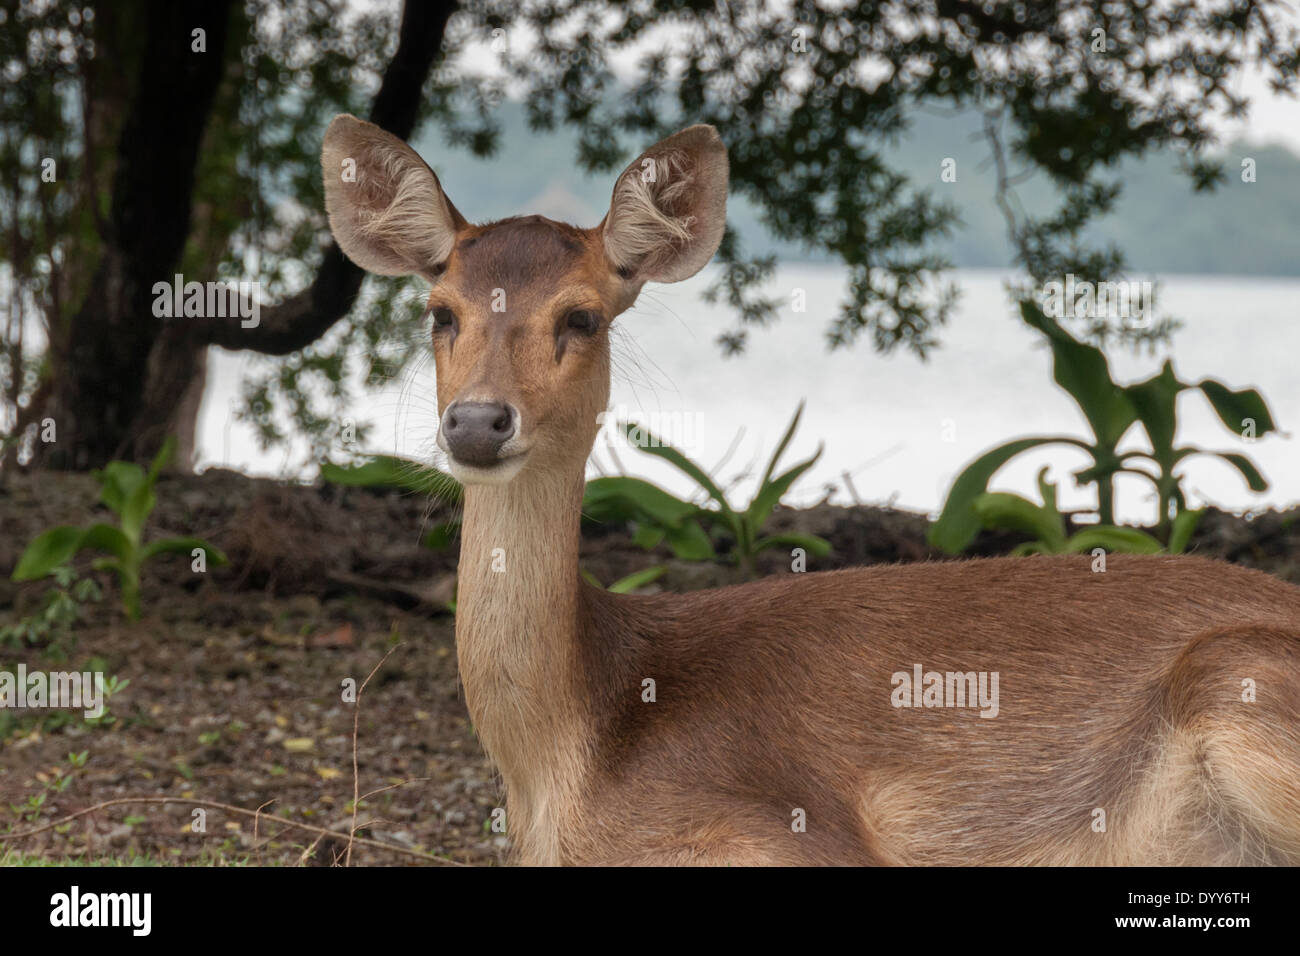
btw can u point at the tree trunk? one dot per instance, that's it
(122, 380)
(100, 360)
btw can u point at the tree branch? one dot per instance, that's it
(305, 317)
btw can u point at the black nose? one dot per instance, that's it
(475, 431)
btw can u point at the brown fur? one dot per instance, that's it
(1120, 691)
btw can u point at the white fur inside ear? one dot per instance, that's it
(411, 219)
(669, 208)
(390, 216)
(639, 226)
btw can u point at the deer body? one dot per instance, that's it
(1147, 714)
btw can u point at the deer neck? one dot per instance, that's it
(517, 614)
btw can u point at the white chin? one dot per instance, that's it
(498, 474)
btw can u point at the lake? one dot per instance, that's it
(894, 429)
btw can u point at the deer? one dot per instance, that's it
(1147, 714)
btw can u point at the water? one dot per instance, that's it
(901, 429)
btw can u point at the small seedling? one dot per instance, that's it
(128, 491)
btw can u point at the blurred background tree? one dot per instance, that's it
(185, 139)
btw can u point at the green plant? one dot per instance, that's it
(1048, 526)
(630, 582)
(51, 624)
(1110, 410)
(655, 515)
(128, 491)
(744, 524)
(389, 471)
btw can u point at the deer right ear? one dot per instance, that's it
(669, 208)
(386, 208)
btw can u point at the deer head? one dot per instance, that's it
(521, 309)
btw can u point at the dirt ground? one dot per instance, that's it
(235, 675)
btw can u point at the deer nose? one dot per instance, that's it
(475, 431)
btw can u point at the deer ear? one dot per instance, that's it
(386, 208)
(669, 208)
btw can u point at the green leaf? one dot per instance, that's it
(1113, 538)
(442, 536)
(47, 551)
(135, 512)
(1156, 403)
(651, 445)
(958, 524)
(637, 579)
(647, 536)
(690, 542)
(105, 537)
(182, 546)
(389, 471)
(1001, 510)
(1048, 491)
(781, 446)
(1233, 407)
(1254, 479)
(772, 491)
(1180, 531)
(814, 545)
(118, 481)
(609, 500)
(1083, 371)
(161, 459)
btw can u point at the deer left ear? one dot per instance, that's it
(669, 208)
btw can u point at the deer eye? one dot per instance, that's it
(443, 319)
(582, 320)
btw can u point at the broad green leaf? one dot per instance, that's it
(1083, 371)
(629, 499)
(1113, 538)
(107, 538)
(136, 510)
(47, 551)
(1180, 532)
(958, 524)
(653, 446)
(637, 579)
(647, 536)
(1235, 407)
(690, 542)
(118, 480)
(1001, 510)
(1156, 403)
